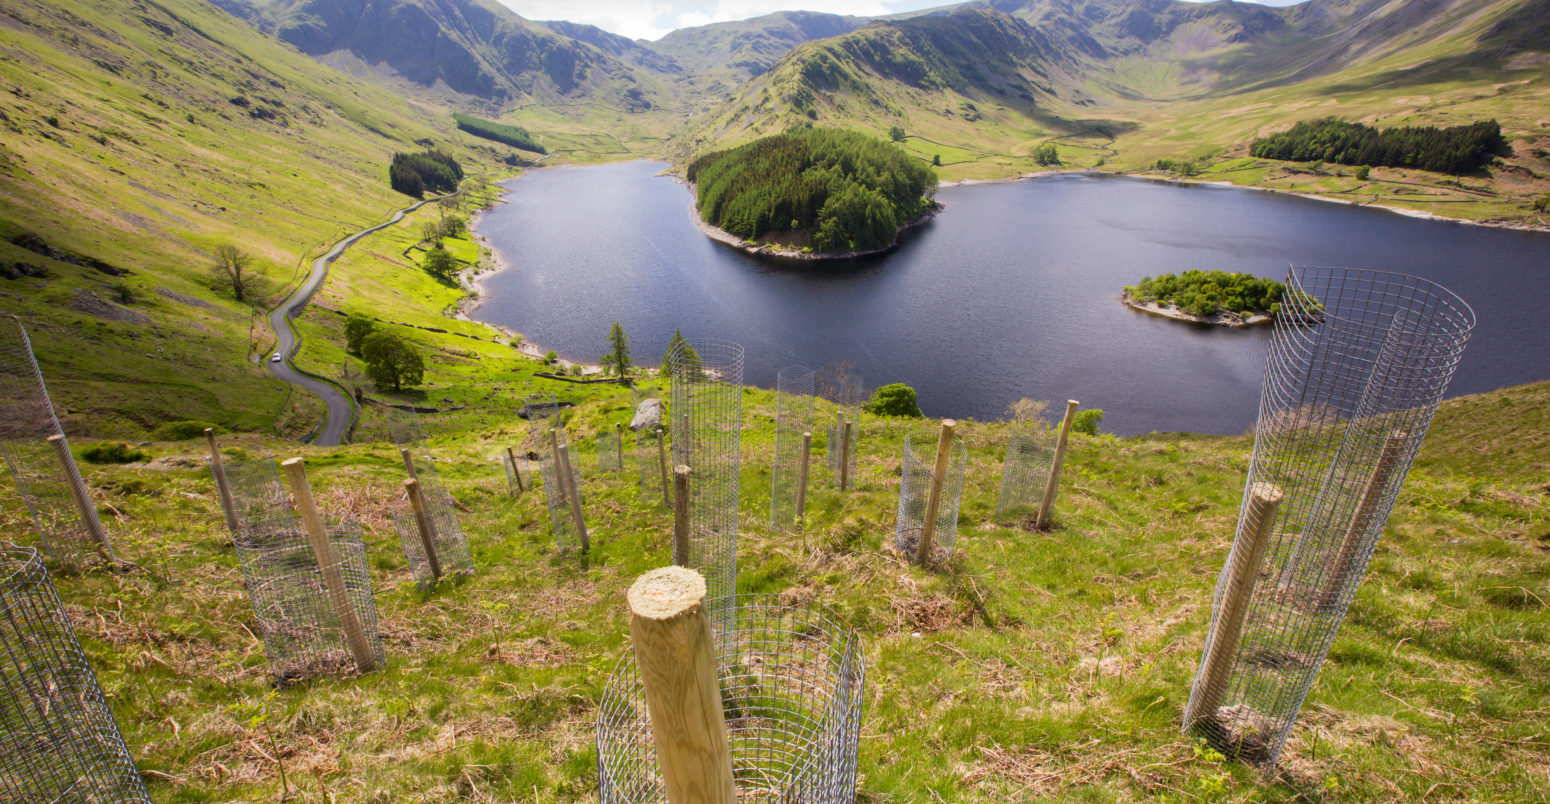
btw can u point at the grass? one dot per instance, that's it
(1034, 666)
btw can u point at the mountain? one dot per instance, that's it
(722, 55)
(139, 136)
(476, 48)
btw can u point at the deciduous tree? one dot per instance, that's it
(392, 361)
(234, 269)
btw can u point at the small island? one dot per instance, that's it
(812, 193)
(1208, 297)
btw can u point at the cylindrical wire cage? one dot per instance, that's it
(257, 492)
(707, 422)
(792, 687)
(304, 633)
(648, 461)
(610, 457)
(546, 434)
(845, 390)
(447, 539)
(1030, 453)
(915, 487)
(403, 427)
(1358, 362)
(58, 739)
(794, 391)
(47, 478)
(516, 480)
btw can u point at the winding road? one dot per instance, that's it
(341, 409)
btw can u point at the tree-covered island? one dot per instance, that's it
(813, 193)
(1208, 297)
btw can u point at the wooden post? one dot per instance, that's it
(423, 523)
(1227, 629)
(802, 468)
(511, 455)
(222, 489)
(403, 452)
(619, 444)
(1350, 546)
(81, 497)
(667, 499)
(1047, 502)
(681, 516)
(328, 564)
(568, 478)
(845, 431)
(675, 651)
(944, 454)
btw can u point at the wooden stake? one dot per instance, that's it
(423, 523)
(222, 488)
(81, 497)
(1227, 629)
(1351, 545)
(667, 499)
(676, 655)
(511, 455)
(944, 453)
(569, 477)
(328, 564)
(619, 444)
(845, 431)
(681, 516)
(807, 456)
(1047, 502)
(403, 452)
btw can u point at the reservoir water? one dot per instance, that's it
(1013, 291)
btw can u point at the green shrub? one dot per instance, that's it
(111, 452)
(895, 399)
(1362, 172)
(1542, 203)
(184, 430)
(1086, 421)
(550, 357)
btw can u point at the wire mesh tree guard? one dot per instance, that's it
(58, 739)
(651, 448)
(707, 427)
(794, 390)
(1030, 453)
(920, 462)
(38, 455)
(840, 386)
(1357, 364)
(610, 450)
(515, 483)
(547, 435)
(432, 535)
(257, 492)
(310, 587)
(791, 693)
(403, 427)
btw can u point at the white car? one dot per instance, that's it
(276, 358)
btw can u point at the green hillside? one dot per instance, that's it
(1035, 666)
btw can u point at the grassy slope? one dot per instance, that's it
(149, 166)
(1037, 665)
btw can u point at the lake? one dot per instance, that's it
(1013, 291)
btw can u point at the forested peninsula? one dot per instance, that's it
(814, 193)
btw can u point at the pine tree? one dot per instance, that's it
(618, 357)
(691, 358)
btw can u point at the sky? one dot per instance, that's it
(653, 19)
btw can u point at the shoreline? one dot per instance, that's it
(1222, 319)
(1174, 180)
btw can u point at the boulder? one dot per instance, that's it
(648, 415)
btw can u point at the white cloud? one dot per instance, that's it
(652, 19)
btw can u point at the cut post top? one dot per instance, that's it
(667, 593)
(1270, 493)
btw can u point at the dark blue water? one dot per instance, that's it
(1012, 292)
